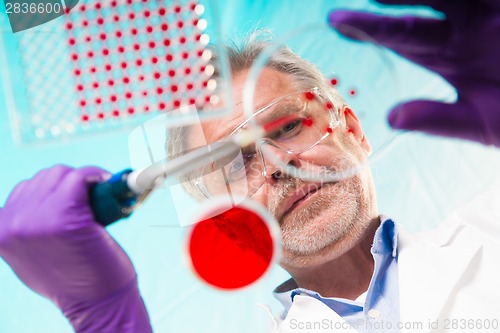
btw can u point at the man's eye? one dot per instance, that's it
(288, 130)
(290, 126)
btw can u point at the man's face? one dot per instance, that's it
(318, 221)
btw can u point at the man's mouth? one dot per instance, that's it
(300, 197)
(299, 201)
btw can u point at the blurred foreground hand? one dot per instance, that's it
(464, 48)
(49, 238)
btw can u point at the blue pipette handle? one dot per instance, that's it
(110, 200)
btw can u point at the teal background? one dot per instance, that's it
(420, 180)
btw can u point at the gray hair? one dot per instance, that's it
(305, 74)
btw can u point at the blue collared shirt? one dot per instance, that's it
(377, 310)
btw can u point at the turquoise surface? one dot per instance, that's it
(420, 180)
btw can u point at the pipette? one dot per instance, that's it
(125, 191)
(119, 196)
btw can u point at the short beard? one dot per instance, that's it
(337, 217)
(306, 232)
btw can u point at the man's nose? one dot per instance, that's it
(275, 160)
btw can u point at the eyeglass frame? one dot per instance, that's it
(334, 122)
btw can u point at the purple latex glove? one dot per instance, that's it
(464, 49)
(49, 238)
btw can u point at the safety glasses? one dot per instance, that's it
(299, 121)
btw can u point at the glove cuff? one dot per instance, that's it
(123, 312)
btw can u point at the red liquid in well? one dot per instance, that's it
(177, 70)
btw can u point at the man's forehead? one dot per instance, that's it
(271, 85)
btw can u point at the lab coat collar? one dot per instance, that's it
(429, 272)
(429, 269)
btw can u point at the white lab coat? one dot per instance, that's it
(449, 278)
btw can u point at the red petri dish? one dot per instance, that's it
(231, 247)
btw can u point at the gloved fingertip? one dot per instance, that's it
(92, 174)
(393, 118)
(106, 176)
(396, 119)
(98, 178)
(338, 17)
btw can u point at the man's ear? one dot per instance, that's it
(353, 127)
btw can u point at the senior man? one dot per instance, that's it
(352, 269)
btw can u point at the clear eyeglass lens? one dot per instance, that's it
(300, 121)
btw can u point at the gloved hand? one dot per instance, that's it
(464, 49)
(49, 238)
